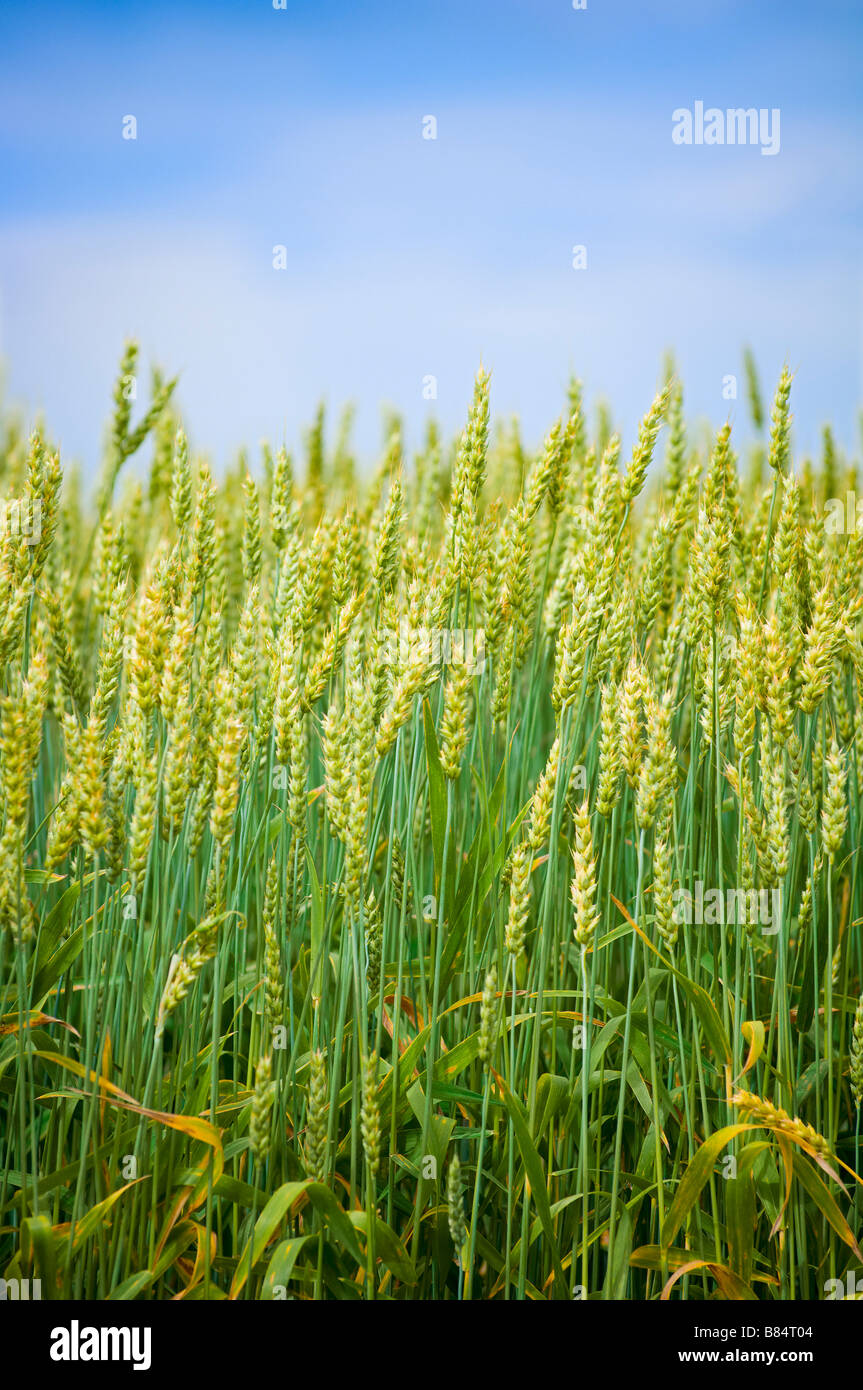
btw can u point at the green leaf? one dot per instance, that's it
(824, 1201)
(694, 1178)
(440, 1129)
(552, 1094)
(655, 1256)
(388, 1247)
(535, 1177)
(37, 1237)
(58, 964)
(437, 790)
(133, 1286)
(281, 1265)
(464, 919)
(317, 924)
(321, 1198)
(93, 1219)
(740, 1209)
(618, 1267)
(55, 924)
(639, 1089)
(708, 1017)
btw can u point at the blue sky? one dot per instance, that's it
(407, 257)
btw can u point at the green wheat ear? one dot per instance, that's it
(357, 947)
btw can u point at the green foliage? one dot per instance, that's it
(443, 886)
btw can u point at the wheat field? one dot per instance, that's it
(438, 882)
